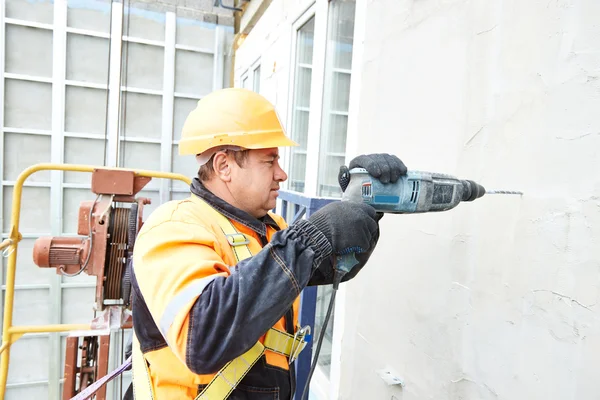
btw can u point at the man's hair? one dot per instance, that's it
(206, 171)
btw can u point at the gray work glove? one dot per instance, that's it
(385, 167)
(349, 227)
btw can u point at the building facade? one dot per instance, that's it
(496, 299)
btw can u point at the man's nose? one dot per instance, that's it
(280, 175)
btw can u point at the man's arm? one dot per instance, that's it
(208, 313)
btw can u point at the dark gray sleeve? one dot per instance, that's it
(233, 312)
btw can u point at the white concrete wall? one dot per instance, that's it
(496, 299)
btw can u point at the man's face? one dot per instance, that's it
(255, 185)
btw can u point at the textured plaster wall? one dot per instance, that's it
(497, 299)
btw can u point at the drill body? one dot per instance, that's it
(415, 192)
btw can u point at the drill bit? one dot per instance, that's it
(503, 192)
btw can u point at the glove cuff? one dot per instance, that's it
(317, 240)
(323, 223)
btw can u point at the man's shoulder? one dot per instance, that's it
(176, 211)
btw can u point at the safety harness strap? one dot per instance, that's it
(238, 241)
(142, 384)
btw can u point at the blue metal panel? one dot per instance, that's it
(308, 301)
(308, 310)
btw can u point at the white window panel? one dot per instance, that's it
(338, 127)
(90, 15)
(80, 110)
(142, 115)
(185, 165)
(300, 130)
(82, 151)
(28, 51)
(82, 278)
(297, 172)
(22, 151)
(328, 185)
(28, 273)
(72, 199)
(336, 94)
(340, 92)
(142, 23)
(180, 195)
(246, 83)
(256, 79)
(87, 58)
(154, 197)
(193, 72)
(182, 107)
(191, 32)
(126, 377)
(323, 297)
(27, 104)
(32, 307)
(85, 110)
(141, 156)
(38, 11)
(300, 110)
(63, 352)
(35, 206)
(303, 87)
(78, 305)
(21, 357)
(27, 392)
(143, 66)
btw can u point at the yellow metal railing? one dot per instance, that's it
(11, 334)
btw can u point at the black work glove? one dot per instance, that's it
(385, 167)
(348, 226)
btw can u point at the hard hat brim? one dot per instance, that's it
(263, 140)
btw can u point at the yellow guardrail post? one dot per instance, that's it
(10, 333)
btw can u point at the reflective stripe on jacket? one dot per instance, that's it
(194, 309)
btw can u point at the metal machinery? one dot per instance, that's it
(107, 230)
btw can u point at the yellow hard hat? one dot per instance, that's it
(232, 117)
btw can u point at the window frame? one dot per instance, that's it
(298, 23)
(323, 386)
(249, 75)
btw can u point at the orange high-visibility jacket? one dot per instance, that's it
(194, 309)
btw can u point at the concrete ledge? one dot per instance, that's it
(252, 13)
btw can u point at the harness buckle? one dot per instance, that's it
(298, 340)
(231, 238)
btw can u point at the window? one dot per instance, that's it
(251, 78)
(246, 82)
(256, 79)
(334, 123)
(301, 103)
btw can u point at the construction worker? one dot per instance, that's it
(217, 276)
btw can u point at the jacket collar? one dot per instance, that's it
(257, 225)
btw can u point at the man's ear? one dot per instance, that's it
(222, 167)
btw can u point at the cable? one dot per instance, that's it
(91, 237)
(336, 283)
